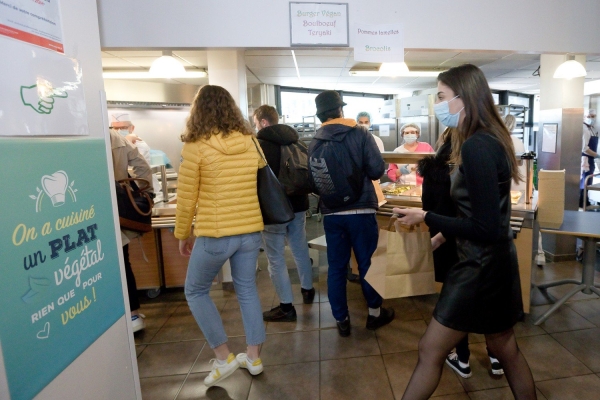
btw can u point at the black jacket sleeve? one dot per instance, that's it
(483, 162)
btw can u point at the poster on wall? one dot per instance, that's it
(32, 21)
(378, 43)
(44, 96)
(319, 24)
(61, 283)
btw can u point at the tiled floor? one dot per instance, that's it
(307, 359)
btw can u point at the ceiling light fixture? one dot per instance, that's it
(296, 64)
(123, 74)
(391, 71)
(570, 69)
(167, 66)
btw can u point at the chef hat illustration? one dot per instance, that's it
(120, 117)
(55, 186)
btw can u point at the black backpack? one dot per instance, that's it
(334, 176)
(293, 169)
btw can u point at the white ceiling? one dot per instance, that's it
(329, 69)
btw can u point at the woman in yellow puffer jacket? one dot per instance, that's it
(217, 185)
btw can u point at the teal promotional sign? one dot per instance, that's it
(60, 286)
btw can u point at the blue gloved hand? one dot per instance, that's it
(404, 170)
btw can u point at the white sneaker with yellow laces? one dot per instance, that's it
(221, 371)
(255, 367)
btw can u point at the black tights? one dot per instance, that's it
(437, 342)
(463, 352)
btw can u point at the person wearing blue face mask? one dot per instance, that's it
(406, 173)
(482, 291)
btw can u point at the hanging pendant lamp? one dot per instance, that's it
(167, 66)
(570, 69)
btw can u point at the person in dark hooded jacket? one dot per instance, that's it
(352, 226)
(271, 137)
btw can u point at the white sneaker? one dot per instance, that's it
(255, 368)
(220, 372)
(137, 322)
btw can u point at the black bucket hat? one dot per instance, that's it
(328, 100)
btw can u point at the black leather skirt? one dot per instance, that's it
(482, 292)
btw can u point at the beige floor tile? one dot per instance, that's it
(400, 366)
(405, 308)
(157, 315)
(169, 358)
(293, 382)
(585, 345)
(181, 325)
(307, 320)
(425, 304)
(400, 336)
(527, 328)
(162, 387)
(548, 359)
(236, 345)
(139, 349)
(562, 320)
(498, 394)
(289, 348)
(589, 309)
(357, 378)
(234, 387)
(456, 396)
(360, 343)
(573, 388)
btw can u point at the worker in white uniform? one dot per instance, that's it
(121, 122)
(364, 118)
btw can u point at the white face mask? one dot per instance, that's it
(590, 121)
(123, 131)
(410, 138)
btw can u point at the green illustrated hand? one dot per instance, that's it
(41, 99)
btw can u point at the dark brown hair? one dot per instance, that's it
(214, 112)
(267, 112)
(468, 82)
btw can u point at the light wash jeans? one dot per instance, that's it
(207, 259)
(274, 237)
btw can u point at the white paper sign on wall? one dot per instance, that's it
(319, 24)
(378, 43)
(32, 21)
(43, 96)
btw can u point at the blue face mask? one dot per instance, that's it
(442, 112)
(123, 131)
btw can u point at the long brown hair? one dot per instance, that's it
(468, 82)
(214, 112)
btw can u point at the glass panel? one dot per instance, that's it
(295, 105)
(356, 104)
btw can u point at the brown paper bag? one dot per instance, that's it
(380, 197)
(402, 264)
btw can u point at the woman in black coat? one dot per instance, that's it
(435, 171)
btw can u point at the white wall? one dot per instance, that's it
(526, 26)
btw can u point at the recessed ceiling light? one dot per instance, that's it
(148, 75)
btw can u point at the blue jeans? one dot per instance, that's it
(274, 237)
(207, 259)
(358, 232)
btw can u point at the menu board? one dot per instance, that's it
(61, 284)
(319, 24)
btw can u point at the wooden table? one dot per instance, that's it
(586, 226)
